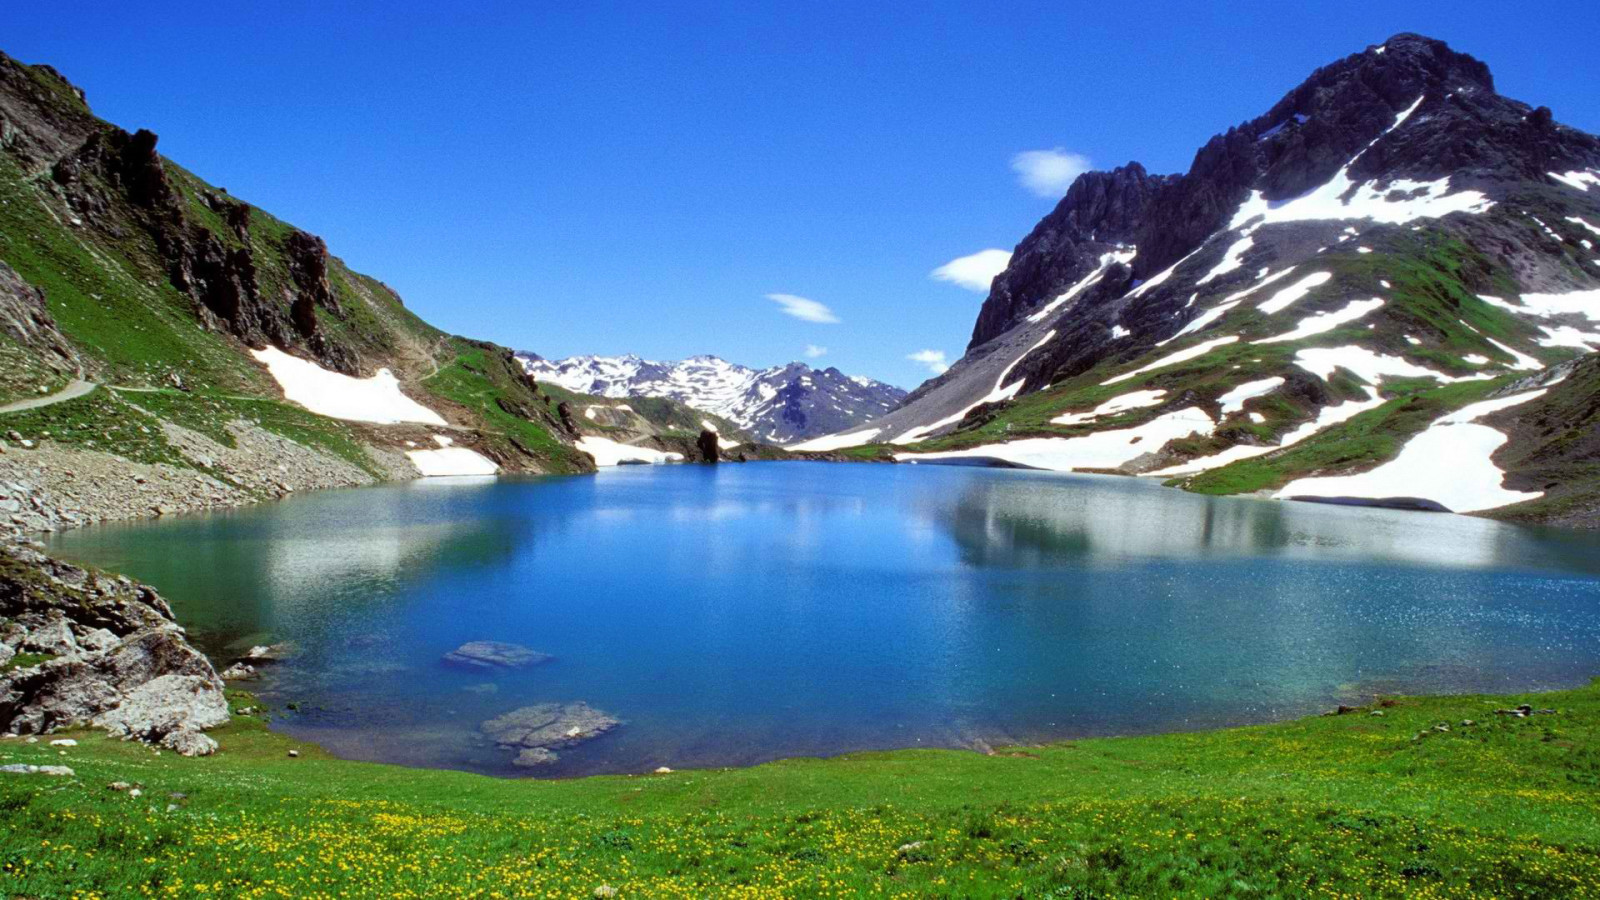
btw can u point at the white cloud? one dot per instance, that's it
(804, 309)
(974, 272)
(813, 351)
(933, 359)
(1048, 173)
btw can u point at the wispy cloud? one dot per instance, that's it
(1048, 173)
(934, 359)
(974, 272)
(813, 351)
(805, 309)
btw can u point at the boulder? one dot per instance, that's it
(170, 710)
(495, 654)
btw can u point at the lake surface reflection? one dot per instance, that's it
(741, 613)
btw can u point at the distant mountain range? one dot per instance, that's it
(780, 405)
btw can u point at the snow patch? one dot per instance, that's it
(1106, 259)
(1367, 365)
(1171, 359)
(1234, 400)
(1001, 391)
(377, 399)
(1101, 450)
(1284, 298)
(1449, 463)
(1117, 404)
(1580, 179)
(1567, 336)
(1327, 321)
(1230, 259)
(451, 461)
(1575, 303)
(610, 453)
(1579, 220)
(836, 441)
(1342, 198)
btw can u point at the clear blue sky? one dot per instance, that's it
(599, 178)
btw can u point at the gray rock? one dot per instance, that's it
(170, 710)
(24, 769)
(495, 654)
(238, 672)
(271, 653)
(535, 756)
(546, 727)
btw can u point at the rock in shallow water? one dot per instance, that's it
(537, 731)
(493, 654)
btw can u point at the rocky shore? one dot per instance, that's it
(80, 648)
(49, 486)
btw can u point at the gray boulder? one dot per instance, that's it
(171, 710)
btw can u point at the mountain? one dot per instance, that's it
(166, 346)
(1384, 289)
(780, 405)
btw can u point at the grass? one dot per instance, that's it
(26, 660)
(1350, 805)
(484, 383)
(100, 421)
(211, 413)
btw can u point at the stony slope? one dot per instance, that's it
(1392, 242)
(120, 268)
(780, 405)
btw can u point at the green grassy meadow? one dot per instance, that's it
(1377, 802)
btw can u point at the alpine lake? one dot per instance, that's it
(727, 615)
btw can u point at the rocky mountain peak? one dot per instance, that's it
(1457, 128)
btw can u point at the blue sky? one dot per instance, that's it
(612, 178)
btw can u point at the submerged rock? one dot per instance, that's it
(537, 731)
(495, 654)
(271, 653)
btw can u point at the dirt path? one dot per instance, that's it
(76, 389)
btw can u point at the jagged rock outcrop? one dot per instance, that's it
(25, 318)
(709, 445)
(109, 177)
(99, 651)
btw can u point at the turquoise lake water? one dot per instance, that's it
(742, 613)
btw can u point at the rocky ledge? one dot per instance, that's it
(537, 731)
(80, 648)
